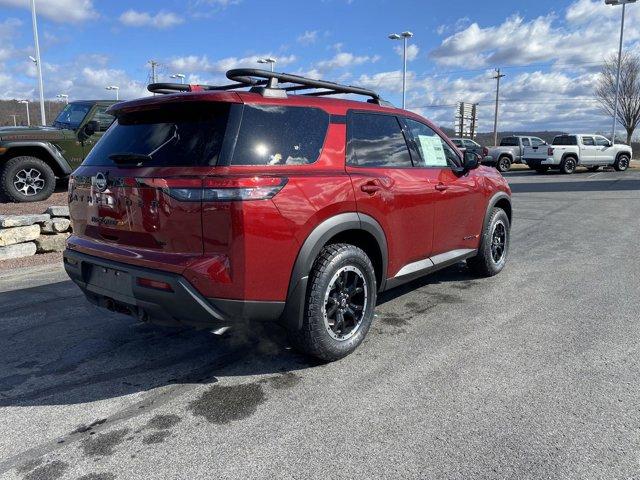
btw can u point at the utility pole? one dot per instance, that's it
(154, 64)
(38, 61)
(15, 124)
(495, 118)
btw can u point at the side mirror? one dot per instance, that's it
(90, 128)
(471, 161)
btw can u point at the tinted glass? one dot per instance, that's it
(103, 118)
(509, 142)
(526, 142)
(536, 142)
(602, 142)
(172, 136)
(565, 140)
(377, 141)
(72, 115)
(435, 152)
(470, 144)
(458, 143)
(588, 141)
(275, 135)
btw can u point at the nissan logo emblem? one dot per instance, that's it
(101, 181)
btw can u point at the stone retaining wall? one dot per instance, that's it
(26, 235)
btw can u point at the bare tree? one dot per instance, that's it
(629, 100)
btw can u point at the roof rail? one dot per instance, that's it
(267, 83)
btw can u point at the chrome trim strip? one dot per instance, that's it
(435, 261)
(414, 267)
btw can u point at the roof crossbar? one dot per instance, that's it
(268, 84)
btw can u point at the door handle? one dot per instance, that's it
(441, 187)
(370, 188)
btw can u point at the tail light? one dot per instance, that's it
(550, 151)
(485, 152)
(217, 189)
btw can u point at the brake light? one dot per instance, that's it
(245, 188)
(550, 151)
(216, 189)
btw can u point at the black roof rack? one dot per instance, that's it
(268, 84)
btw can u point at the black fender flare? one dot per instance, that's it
(571, 154)
(492, 203)
(623, 152)
(312, 246)
(56, 156)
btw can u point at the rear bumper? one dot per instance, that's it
(115, 286)
(540, 162)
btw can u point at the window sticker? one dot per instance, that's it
(433, 151)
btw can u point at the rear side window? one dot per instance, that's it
(376, 141)
(103, 118)
(277, 135)
(173, 135)
(565, 140)
(509, 142)
(588, 141)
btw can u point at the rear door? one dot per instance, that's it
(459, 199)
(138, 195)
(588, 150)
(388, 187)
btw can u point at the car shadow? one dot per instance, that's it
(605, 185)
(58, 349)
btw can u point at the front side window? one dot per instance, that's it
(526, 142)
(588, 141)
(277, 135)
(602, 142)
(435, 152)
(471, 144)
(536, 142)
(376, 141)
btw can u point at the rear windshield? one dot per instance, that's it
(565, 140)
(173, 135)
(277, 135)
(509, 142)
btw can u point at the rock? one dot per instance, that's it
(58, 211)
(56, 225)
(10, 236)
(22, 220)
(52, 243)
(17, 251)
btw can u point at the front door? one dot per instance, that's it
(606, 152)
(459, 198)
(388, 187)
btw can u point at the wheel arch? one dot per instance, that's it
(360, 230)
(44, 151)
(573, 155)
(501, 200)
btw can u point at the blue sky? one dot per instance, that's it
(550, 51)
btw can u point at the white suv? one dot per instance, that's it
(570, 151)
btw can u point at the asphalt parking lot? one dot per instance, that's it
(530, 374)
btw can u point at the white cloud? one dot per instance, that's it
(308, 37)
(62, 11)
(162, 19)
(200, 64)
(344, 60)
(412, 51)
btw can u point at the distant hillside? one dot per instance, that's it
(12, 107)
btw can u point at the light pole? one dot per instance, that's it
(37, 60)
(15, 123)
(179, 75)
(114, 87)
(615, 108)
(65, 97)
(404, 36)
(26, 102)
(270, 60)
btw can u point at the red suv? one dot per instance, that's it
(223, 205)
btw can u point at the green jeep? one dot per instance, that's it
(32, 157)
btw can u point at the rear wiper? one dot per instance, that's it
(129, 158)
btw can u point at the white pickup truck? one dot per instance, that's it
(567, 152)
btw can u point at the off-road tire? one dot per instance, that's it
(568, 165)
(314, 338)
(504, 164)
(13, 167)
(622, 163)
(484, 263)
